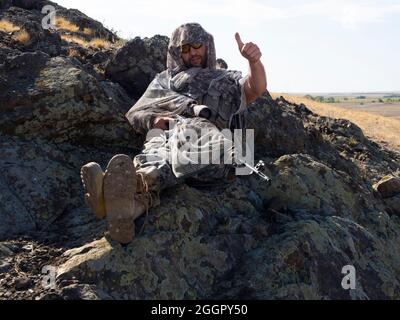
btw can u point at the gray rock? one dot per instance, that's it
(41, 182)
(393, 205)
(23, 283)
(277, 130)
(30, 4)
(6, 249)
(54, 98)
(305, 261)
(38, 39)
(100, 57)
(137, 62)
(5, 265)
(388, 186)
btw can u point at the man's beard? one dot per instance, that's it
(203, 63)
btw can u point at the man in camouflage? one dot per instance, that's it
(190, 94)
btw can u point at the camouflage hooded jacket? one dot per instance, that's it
(176, 89)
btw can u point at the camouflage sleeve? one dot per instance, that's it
(243, 100)
(141, 120)
(158, 100)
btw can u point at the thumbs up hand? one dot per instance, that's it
(248, 50)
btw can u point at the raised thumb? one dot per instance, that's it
(239, 40)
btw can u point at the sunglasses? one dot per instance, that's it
(195, 45)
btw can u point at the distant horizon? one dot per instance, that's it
(307, 45)
(344, 92)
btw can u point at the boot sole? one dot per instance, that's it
(119, 194)
(92, 180)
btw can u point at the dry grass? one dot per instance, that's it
(18, 35)
(62, 23)
(96, 42)
(74, 53)
(376, 127)
(74, 39)
(88, 31)
(7, 26)
(22, 36)
(100, 43)
(119, 43)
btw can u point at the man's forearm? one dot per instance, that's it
(257, 77)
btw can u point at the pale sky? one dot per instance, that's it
(307, 45)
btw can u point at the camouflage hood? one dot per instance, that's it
(189, 33)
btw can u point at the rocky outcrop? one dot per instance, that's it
(29, 34)
(75, 34)
(26, 4)
(64, 107)
(135, 65)
(56, 99)
(305, 258)
(40, 182)
(288, 240)
(55, 112)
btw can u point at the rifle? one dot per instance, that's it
(255, 169)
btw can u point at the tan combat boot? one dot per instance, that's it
(92, 179)
(120, 184)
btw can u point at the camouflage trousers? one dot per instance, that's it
(154, 162)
